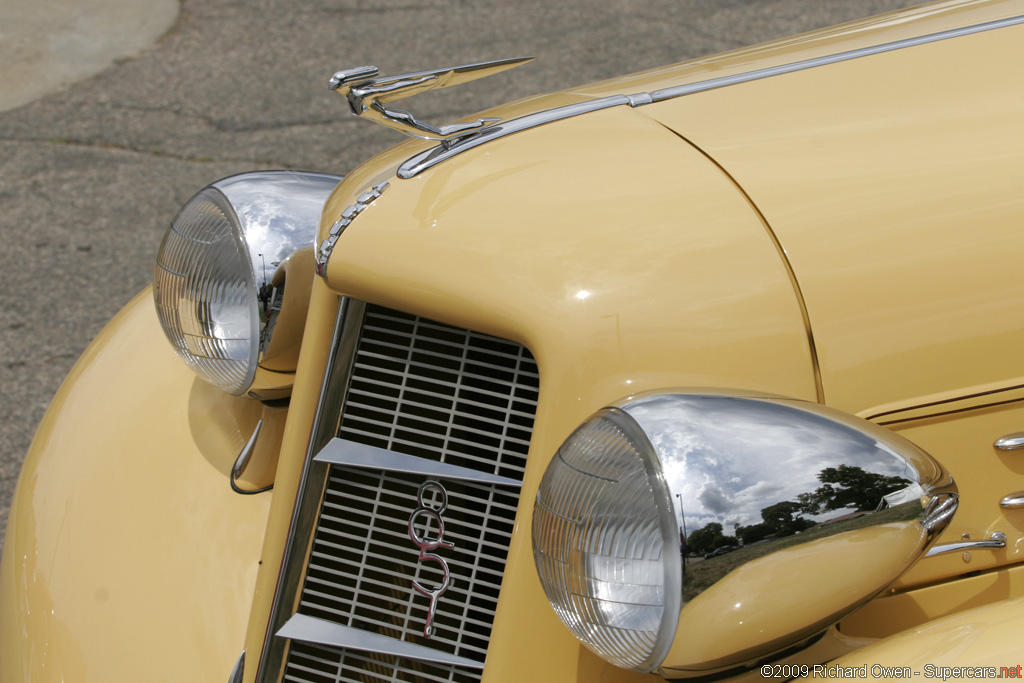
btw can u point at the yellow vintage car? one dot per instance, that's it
(711, 372)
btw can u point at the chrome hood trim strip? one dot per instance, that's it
(352, 454)
(312, 630)
(448, 149)
(445, 151)
(714, 83)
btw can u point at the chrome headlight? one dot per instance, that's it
(641, 486)
(214, 284)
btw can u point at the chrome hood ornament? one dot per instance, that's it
(369, 95)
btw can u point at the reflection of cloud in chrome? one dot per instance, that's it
(279, 213)
(713, 499)
(730, 458)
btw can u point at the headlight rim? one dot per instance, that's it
(199, 364)
(272, 216)
(671, 565)
(877, 449)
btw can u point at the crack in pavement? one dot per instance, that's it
(221, 126)
(109, 146)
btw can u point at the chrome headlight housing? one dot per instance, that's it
(216, 284)
(642, 484)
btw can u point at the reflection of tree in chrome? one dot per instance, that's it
(781, 519)
(708, 537)
(699, 576)
(848, 488)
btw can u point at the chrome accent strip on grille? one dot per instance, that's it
(311, 485)
(431, 157)
(312, 630)
(352, 454)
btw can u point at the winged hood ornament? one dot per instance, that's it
(369, 95)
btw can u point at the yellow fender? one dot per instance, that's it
(124, 527)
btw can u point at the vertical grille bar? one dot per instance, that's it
(440, 394)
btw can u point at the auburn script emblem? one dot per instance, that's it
(427, 545)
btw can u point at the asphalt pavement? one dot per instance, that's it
(93, 167)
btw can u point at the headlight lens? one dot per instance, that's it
(205, 292)
(606, 543)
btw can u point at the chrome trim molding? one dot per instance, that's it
(443, 152)
(347, 216)
(461, 143)
(322, 632)
(1014, 501)
(238, 673)
(996, 540)
(758, 74)
(352, 454)
(243, 461)
(1010, 442)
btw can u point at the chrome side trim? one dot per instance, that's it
(996, 540)
(311, 485)
(451, 148)
(322, 632)
(352, 454)
(348, 215)
(239, 671)
(243, 460)
(1014, 501)
(1010, 442)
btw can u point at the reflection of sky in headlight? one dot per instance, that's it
(729, 458)
(279, 213)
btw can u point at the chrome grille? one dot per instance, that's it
(431, 390)
(442, 394)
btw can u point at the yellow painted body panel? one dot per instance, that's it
(897, 200)
(125, 536)
(984, 637)
(891, 614)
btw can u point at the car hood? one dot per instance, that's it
(619, 254)
(893, 183)
(877, 204)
